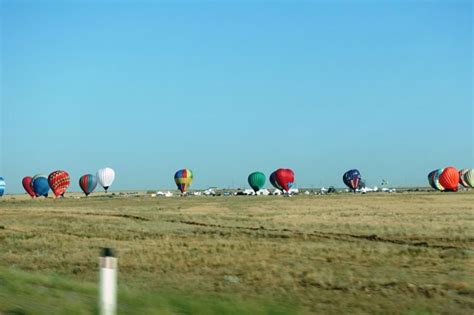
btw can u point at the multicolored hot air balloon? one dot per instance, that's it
(88, 183)
(436, 179)
(285, 178)
(449, 178)
(59, 181)
(274, 182)
(462, 179)
(431, 176)
(105, 177)
(183, 179)
(27, 185)
(256, 180)
(40, 185)
(469, 178)
(352, 178)
(2, 186)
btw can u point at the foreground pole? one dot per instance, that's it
(108, 282)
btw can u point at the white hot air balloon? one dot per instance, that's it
(106, 177)
(469, 178)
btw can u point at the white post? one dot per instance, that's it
(108, 283)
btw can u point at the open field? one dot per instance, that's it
(403, 253)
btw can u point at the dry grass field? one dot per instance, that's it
(402, 253)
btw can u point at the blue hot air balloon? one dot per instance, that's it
(2, 186)
(40, 185)
(351, 178)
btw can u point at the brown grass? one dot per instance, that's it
(379, 253)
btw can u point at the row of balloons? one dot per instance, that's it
(444, 179)
(449, 178)
(283, 179)
(59, 181)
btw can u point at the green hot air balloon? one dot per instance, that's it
(256, 180)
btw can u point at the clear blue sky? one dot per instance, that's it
(228, 88)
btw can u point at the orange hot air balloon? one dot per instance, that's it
(449, 179)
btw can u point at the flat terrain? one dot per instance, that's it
(401, 253)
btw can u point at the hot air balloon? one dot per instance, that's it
(40, 185)
(449, 178)
(431, 176)
(27, 185)
(435, 179)
(469, 178)
(256, 180)
(59, 181)
(183, 179)
(285, 178)
(88, 183)
(274, 182)
(105, 177)
(462, 180)
(2, 186)
(351, 178)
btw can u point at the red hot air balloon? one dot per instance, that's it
(27, 186)
(59, 181)
(449, 179)
(285, 178)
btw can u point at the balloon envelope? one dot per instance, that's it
(27, 185)
(436, 179)
(351, 178)
(59, 181)
(469, 178)
(183, 179)
(88, 183)
(105, 177)
(431, 179)
(462, 179)
(274, 182)
(449, 178)
(2, 186)
(285, 178)
(256, 180)
(40, 185)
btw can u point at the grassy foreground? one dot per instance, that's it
(25, 293)
(406, 253)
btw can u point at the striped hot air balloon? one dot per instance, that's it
(40, 185)
(183, 179)
(59, 181)
(431, 176)
(462, 179)
(433, 179)
(256, 180)
(352, 178)
(436, 179)
(2, 186)
(106, 177)
(88, 183)
(469, 178)
(27, 185)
